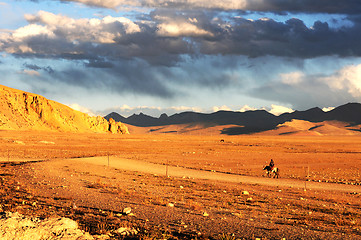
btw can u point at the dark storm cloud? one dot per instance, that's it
(35, 67)
(167, 37)
(306, 6)
(278, 6)
(128, 77)
(290, 39)
(99, 64)
(137, 76)
(32, 66)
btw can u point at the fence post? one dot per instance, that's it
(166, 169)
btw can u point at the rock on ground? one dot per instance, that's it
(16, 226)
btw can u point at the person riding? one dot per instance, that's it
(271, 164)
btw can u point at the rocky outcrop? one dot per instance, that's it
(17, 226)
(28, 111)
(116, 127)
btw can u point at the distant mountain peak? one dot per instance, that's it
(163, 116)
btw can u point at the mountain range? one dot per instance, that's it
(21, 110)
(249, 121)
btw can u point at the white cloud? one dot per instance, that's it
(222, 108)
(52, 26)
(175, 29)
(292, 78)
(347, 78)
(184, 108)
(82, 109)
(304, 90)
(32, 30)
(124, 108)
(275, 109)
(327, 109)
(30, 72)
(175, 26)
(278, 110)
(115, 4)
(103, 3)
(247, 108)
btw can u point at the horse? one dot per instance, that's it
(269, 171)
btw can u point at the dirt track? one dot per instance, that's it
(145, 167)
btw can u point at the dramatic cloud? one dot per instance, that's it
(308, 6)
(167, 37)
(157, 56)
(188, 52)
(56, 35)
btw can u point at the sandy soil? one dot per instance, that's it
(214, 189)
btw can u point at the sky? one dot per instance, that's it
(155, 56)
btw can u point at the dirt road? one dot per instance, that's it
(208, 204)
(146, 167)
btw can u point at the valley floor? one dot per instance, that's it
(92, 178)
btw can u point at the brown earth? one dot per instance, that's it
(294, 127)
(305, 128)
(214, 189)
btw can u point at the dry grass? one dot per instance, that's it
(327, 159)
(267, 212)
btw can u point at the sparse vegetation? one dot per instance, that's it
(95, 196)
(224, 236)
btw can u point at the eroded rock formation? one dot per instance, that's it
(28, 111)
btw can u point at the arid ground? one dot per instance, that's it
(184, 186)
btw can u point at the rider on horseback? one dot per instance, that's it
(272, 170)
(271, 164)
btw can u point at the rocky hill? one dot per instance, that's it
(28, 111)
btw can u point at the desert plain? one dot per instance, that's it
(185, 186)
